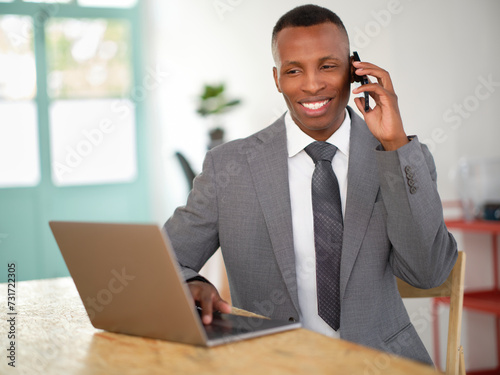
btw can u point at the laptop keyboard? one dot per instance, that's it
(230, 325)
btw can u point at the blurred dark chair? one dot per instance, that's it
(188, 171)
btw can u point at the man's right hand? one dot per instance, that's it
(208, 299)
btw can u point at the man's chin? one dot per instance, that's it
(319, 128)
(318, 132)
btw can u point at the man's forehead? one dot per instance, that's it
(294, 36)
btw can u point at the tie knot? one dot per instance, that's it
(321, 151)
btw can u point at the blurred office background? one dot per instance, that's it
(97, 96)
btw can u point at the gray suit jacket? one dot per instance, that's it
(393, 226)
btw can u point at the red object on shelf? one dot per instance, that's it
(488, 226)
(482, 226)
(485, 300)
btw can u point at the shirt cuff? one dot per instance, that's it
(198, 278)
(381, 148)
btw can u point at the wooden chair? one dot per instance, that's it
(453, 287)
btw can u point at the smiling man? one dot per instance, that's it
(313, 74)
(318, 213)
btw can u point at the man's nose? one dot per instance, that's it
(313, 83)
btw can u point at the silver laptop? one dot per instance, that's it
(129, 282)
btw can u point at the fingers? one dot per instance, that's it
(360, 103)
(206, 305)
(383, 77)
(208, 299)
(381, 95)
(372, 88)
(222, 306)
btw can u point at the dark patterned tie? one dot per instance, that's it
(328, 231)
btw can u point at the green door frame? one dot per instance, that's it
(25, 237)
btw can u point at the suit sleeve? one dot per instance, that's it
(193, 228)
(423, 251)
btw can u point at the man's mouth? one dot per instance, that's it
(315, 105)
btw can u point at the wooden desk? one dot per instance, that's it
(54, 336)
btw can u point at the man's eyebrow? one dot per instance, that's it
(293, 62)
(330, 57)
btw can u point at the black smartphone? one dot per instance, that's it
(364, 81)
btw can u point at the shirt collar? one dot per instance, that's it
(297, 140)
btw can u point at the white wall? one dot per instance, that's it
(438, 54)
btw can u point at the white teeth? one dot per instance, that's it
(317, 105)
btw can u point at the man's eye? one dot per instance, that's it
(328, 67)
(292, 71)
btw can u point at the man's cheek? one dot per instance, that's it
(289, 103)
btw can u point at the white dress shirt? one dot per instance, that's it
(300, 171)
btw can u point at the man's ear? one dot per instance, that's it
(275, 75)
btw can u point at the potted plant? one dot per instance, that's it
(212, 104)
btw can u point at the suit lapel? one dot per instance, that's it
(362, 188)
(268, 161)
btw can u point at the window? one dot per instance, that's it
(19, 154)
(92, 132)
(86, 81)
(69, 144)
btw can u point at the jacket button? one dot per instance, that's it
(291, 319)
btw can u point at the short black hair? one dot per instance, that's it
(307, 15)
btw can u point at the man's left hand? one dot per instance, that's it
(384, 120)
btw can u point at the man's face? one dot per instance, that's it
(313, 74)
